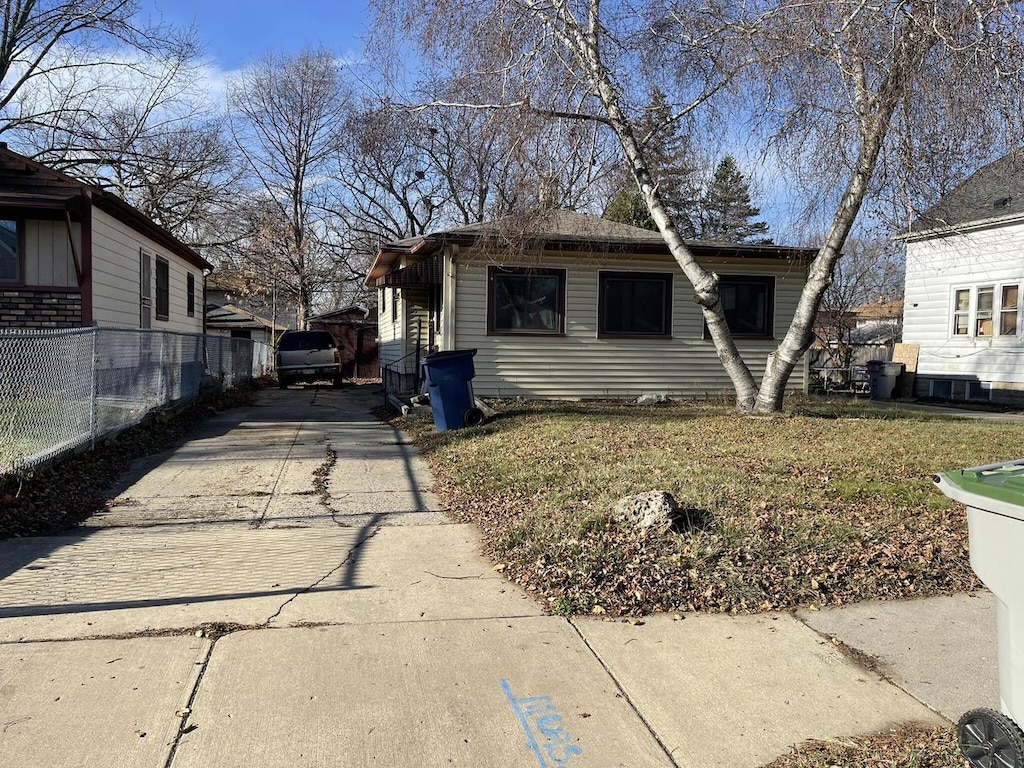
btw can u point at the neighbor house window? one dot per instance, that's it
(983, 317)
(635, 304)
(163, 289)
(10, 252)
(190, 289)
(961, 312)
(525, 300)
(749, 304)
(394, 305)
(1009, 305)
(985, 311)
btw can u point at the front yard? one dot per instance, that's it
(827, 505)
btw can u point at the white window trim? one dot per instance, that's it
(997, 310)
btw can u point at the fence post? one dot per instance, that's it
(94, 389)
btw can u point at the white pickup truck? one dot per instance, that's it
(308, 356)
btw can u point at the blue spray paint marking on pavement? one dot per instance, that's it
(538, 716)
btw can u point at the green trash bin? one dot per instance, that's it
(994, 496)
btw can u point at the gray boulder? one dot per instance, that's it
(653, 509)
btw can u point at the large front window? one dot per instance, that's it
(749, 305)
(10, 252)
(526, 301)
(635, 304)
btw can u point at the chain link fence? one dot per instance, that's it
(61, 390)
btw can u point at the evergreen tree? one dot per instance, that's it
(727, 214)
(629, 207)
(670, 159)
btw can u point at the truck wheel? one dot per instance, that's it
(990, 739)
(282, 382)
(336, 382)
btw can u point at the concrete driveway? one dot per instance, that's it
(284, 589)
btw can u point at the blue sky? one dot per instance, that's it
(235, 32)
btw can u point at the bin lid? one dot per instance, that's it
(451, 354)
(997, 488)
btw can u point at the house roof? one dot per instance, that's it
(354, 309)
(227, 316)
(992, 195)
(879, 310)
(562, 230)
(28, 184)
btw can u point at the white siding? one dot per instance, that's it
(48, 259)
(934, 269)
(581, 365)
(115, 278)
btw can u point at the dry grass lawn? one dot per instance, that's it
(827, 505)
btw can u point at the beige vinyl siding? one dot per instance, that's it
(580, 365)
(417, 321)
(115, 278)
(48, 255)
(935, 268)
(389, 339)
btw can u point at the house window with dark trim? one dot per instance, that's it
(190, 290)
(163, 289)
(10, 252)
(635, 304)
(749, 305)
(525, 301)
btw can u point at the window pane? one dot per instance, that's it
(526, 302)
(163, 283)
(1009, 297)
(985, 297)
(747, 305)
(963, 300)
(984, 327)
(634, 305)
(1008, 322)
(10, 265)
(960, 325)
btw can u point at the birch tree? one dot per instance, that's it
(860, 67)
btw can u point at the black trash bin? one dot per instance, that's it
(883, 375)
(449, 377)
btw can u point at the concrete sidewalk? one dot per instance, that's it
(285, 590)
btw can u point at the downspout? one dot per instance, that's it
(86, 281)
(448, 295)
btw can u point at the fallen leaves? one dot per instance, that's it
(800, 512)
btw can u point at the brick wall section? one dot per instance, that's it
(40, 309)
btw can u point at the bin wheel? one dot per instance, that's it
(990, 739)
(474, 417)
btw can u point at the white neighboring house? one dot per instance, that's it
(962, 302)
(571, 306)
(74, 255)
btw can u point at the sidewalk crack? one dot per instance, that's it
(625, 695)
(371, 529)
(186, 712)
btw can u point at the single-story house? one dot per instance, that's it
(354, 328)
(573, 306)
(962, 301)
(224, 318)
(73, 255)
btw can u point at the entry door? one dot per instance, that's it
(145, 289)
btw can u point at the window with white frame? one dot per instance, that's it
(986, 311)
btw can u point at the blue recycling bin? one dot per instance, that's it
(449, 377)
